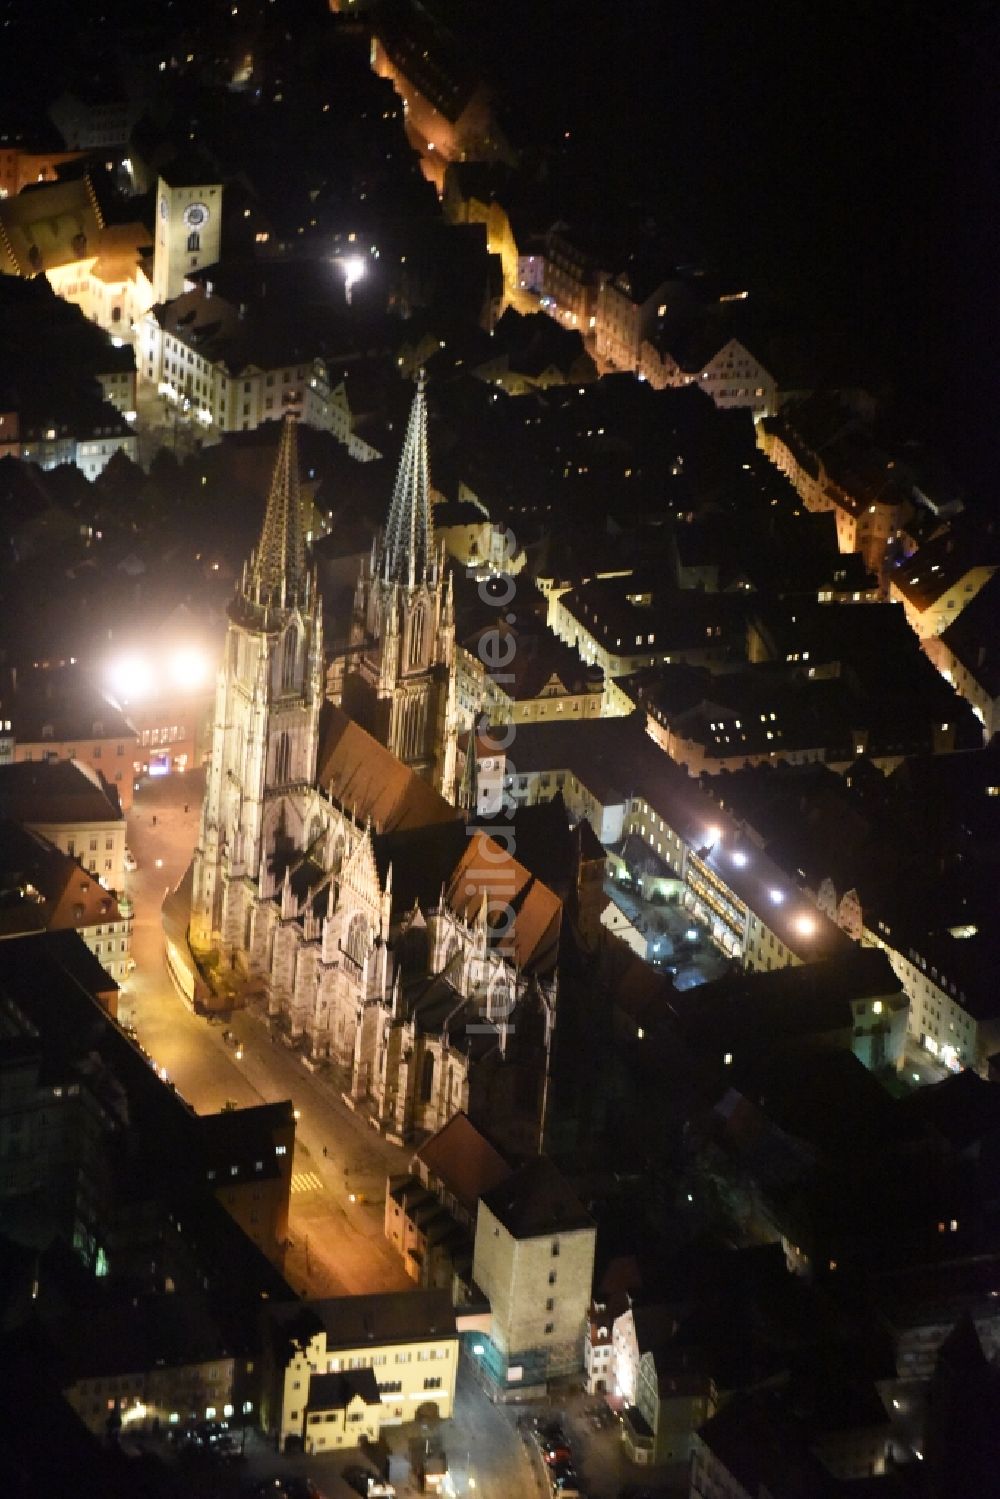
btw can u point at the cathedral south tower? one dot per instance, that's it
(266, 730)
(399, 676)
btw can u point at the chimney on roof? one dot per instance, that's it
(242, 311)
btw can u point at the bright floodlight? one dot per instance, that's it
(131, 678)
(353, 267)
(739, 859)
(714, 834)
(777, 896)
(805, 926)
(188, 668)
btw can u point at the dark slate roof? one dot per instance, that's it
(55, 791)
(329, 1392)
(537, 1201)
(463, 1160)
(391, 1317)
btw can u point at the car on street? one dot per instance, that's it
(365, 1481)
(301, 1488)
(558, 1453)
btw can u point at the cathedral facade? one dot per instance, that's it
(414, 955)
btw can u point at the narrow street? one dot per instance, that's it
(338, 1198)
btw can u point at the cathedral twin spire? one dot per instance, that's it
(277, 576)
(408, 545)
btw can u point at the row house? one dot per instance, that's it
(733, 376)
(570, 280)
(824, 452)
(967, 655)
(626, 309)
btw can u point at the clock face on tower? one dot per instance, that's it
(195, 215)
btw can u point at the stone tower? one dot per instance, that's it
(399, 677)
(188, 225)
(266, 732)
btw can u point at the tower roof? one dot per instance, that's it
(408, 544)
(277, 575)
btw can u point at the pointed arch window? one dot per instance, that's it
(427, 1078)
(356, 946)
(194, 241)
(418, 623)
(283, 759)
(289, 656)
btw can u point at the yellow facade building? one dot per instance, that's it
(343, 1368)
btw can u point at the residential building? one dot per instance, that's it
(21, 166)
(157, 1361)
(46, 890)
(94, 118)
(57, 716)
(404, 1342)
(430, 1215)
(598, 1351)
(824, 450)
(230, 369)
(534, 1259)
(162, 1217)
(967, 656)
(733, 376)
(72, 809)
(933, 594)
(472, 195)
(448, 110)
(627, 307)
(626, 624)
(570, 279)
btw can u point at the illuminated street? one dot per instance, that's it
(337, 1245)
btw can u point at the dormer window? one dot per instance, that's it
(47, 731)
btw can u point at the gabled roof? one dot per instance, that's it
(62, 895)
(464, 1161)
(43, 792)
(42, 227)
(523, 913)
(363, 776)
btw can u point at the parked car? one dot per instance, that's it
(556, 1454)
(301, 1488)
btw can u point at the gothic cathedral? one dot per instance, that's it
(333, 867)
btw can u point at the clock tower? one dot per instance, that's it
(188, 225)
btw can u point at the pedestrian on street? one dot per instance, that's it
(154, 819)
(325, 1151)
